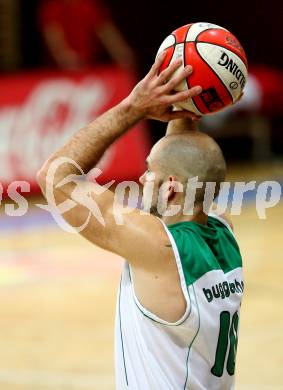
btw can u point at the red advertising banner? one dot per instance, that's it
(39, 111)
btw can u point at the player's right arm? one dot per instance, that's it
(91, 206)
(141, 239)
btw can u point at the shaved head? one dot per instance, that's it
(185, 156)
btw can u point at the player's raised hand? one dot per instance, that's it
(154, 96)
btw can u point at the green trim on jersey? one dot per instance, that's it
(204, 248)
(191, 344)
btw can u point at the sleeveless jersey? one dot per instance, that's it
(198, 351)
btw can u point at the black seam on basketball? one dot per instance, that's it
(188, 32)
(195, 41)
(174, 45)
(214, 72)
(224, 47)
(188, 84)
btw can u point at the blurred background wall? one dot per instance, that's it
(145, 24)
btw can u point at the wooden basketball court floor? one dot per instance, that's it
(57, 299)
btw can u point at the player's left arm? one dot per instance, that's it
(151, 98)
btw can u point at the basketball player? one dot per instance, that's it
(181, 287)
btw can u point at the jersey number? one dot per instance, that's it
(227, 337)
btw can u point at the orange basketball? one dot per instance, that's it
(219, 65)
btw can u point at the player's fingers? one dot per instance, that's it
(178, 78)
(156, 66)
(184, 95)
(168, 72)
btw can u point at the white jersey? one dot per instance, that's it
(197, 352)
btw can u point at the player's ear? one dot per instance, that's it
(173, 186)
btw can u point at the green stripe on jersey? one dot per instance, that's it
(204, 248)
